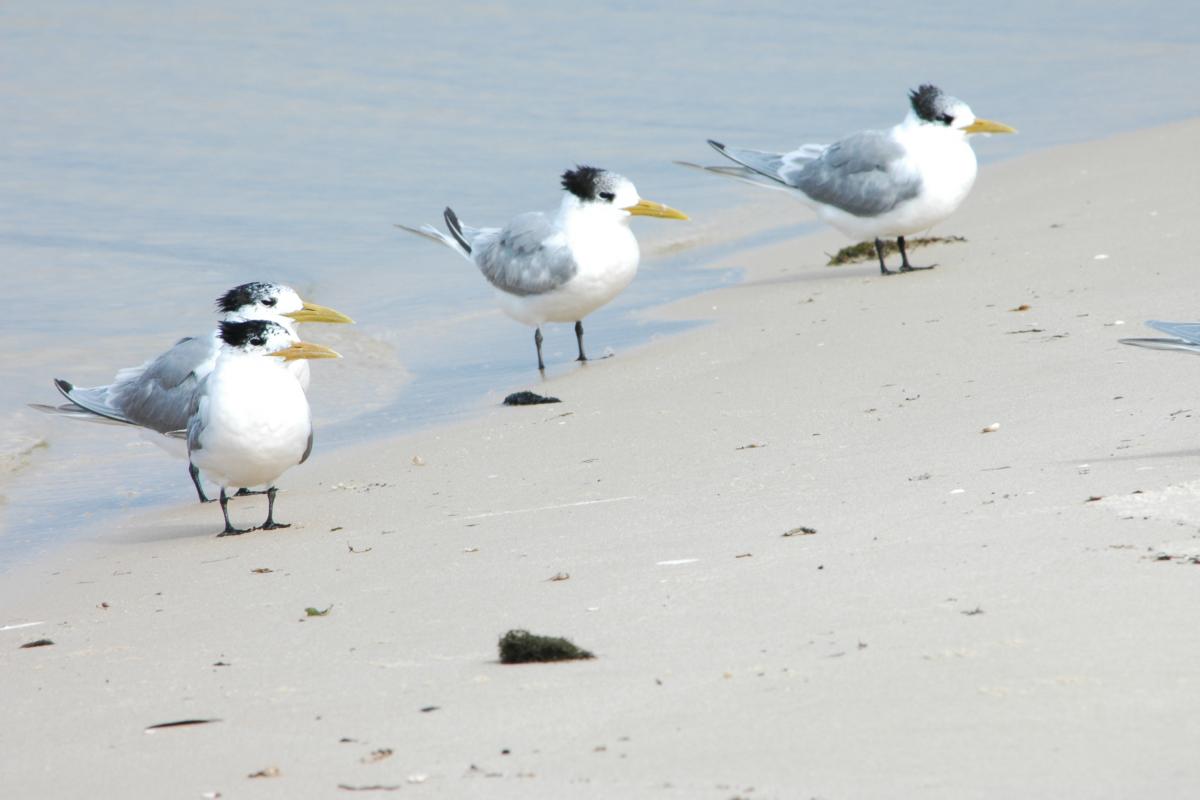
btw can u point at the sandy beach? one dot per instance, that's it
(975, 614)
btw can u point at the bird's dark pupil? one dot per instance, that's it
(609, 196)
(946, 118)
(258, 341)
(269, 302)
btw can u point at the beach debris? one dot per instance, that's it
(269, 772)
(1100, 257)
(261, 570)
(744, 555)
(1022, 307)
(560, 576)
(103, 604)
(36, 643)
(528, 399)
(973, 612)
(418, 461)
(1026, 330)
(18, 625)
(335, 529)
(427, 709)
(752, 446)
(350, 547)
(1094, 498)
(675, 562)
(377, 755)
(378, 787)
(995, 426)
(521, 646)
(924, 476)
(803, 530)
(313, 612)
(865, 251)
(417, 777)
(470, 549)
(182, 723)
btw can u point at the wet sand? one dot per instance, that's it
(966, 620)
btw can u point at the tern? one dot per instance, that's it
(251, 421)
(159, 395)
(563, 267)
(1185, 336)
(878, 184)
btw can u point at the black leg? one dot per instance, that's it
(904, 265)
(579, 339)
(537, 340)
(229, 529)
(883, 270)
(271, 524)
(194, 471)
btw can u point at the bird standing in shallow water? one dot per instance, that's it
(251, 420)
(159, 395)
(560, 268)
(879, 184)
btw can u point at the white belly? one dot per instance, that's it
(947, 172)
(606, 267)
(256, 425)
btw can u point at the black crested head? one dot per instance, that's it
(245, 295)
(583, 182)
(927, 102)
(253, 332)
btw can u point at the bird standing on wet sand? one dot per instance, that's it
(875, 184)
(159, 395)
(251, 421)
(559, 268)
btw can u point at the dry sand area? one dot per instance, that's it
(976, 614)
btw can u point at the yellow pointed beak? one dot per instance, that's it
(311, 312)
(306, 350)
(987, 126)
(649, 208)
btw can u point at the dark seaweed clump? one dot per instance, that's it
(521, 647)
(528, 399)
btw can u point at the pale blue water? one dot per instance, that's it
(154, 154)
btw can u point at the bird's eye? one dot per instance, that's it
(946, 118)
(258, 341)
(609, 196)
(269, 302)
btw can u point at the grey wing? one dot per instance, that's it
(194, 426)
(862, 174)
(528, 256)
(1187, 331)
(308, 447)
(161, 394)
(1164, 344)
(760, 167)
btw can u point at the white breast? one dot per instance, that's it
(256, 422)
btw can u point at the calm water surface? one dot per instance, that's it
(153, 154)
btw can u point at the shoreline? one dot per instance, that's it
(960, 596)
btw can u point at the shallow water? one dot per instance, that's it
(154, 154)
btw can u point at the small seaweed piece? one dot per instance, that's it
(316, 612)
(865, 251)
(37, 643)
(803, 530)
(528, 399)
(520, 647)
(180, 723)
